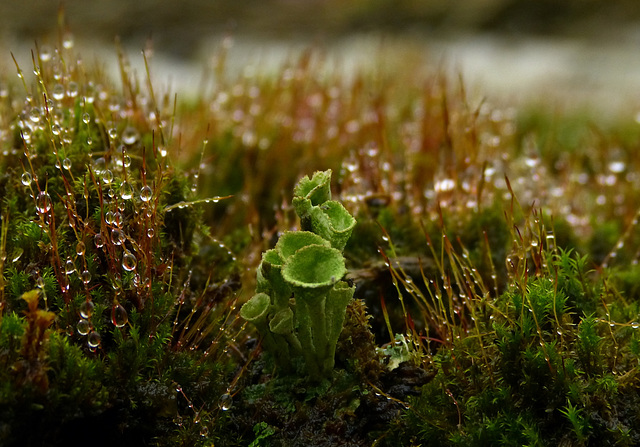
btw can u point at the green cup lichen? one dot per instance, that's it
(301, 302)
(333, 222)
(292, 241)
(316, 190)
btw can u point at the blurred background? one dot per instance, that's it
(575, 52)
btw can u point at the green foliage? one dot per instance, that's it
(99, 318)
(262, 431)
(538, 357)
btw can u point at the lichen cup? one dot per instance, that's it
(317, 189)
(333, 222)
(269, 279)
(312, 272)
(292, 241)
(257, 311)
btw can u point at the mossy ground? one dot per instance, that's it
(495, 259)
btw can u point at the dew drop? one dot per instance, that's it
(129, 262)
(532, 161)
(225, 402)
(130, 135)
(45, 53)
(98, 239)
(107, 176)
(67, 41)
(86, 309)
(145, 193)
(99, 165)
(126, 191)
(26, 179)
(119, 315)
(43, 202)
(85, 276)
(66, 163)
(69, 267)
(150, 232)
(117, 219)
(83, 327)
(94, 340)
(35, 115)
(58, 92)
(116, 236)
(72, 89)
(86, 118)
(616, 166)
(80, 248)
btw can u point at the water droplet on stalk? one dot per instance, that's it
(80, 248)
(225, 402)
(146, 193)
(43, 202)
(129, 262)
(126, 191)
(35, 115)
(26, 179)
(58, 92)
(98, 239)
(116, 236)
(130, 135)
(45, 53)
(67, 41)
(69, 267)
(99, 165)
(94, 340)
(617, 166)
(107, 176)
(83, 327)
(85, 276)
(119, 315)
(72, 89)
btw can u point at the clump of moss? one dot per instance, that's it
(99, 317)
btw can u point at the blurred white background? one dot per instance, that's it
(574, 52)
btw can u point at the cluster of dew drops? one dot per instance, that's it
(48, 115)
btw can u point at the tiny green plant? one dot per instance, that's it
(301, 299)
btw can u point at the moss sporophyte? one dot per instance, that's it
(300, 301)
